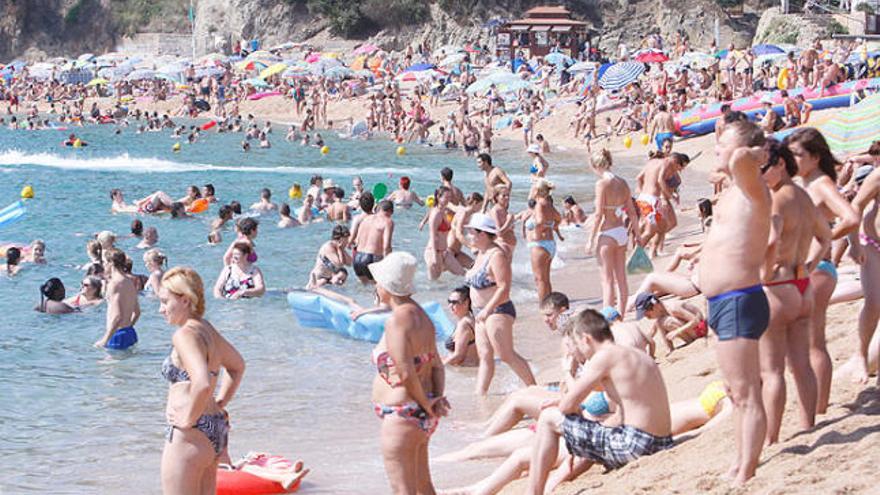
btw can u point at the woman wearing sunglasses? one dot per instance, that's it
(462, 344)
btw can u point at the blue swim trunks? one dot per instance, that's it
(660, 137)
(741, 313)
(122, 339)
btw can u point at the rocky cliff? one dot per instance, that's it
(44, 28)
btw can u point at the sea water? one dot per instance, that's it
(75, 419)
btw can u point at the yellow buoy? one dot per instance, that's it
(325, 149)
(430, 201)
(78, 143)
(645, 139)
(628, 142)
(27, 192)
(175, 147)
(401, 151)
(295, 192)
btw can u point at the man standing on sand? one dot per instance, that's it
(494, 176)
(655, 194)
(795, 222)
(373, 239)
(730, 277)
(662, 126)
(630, 379)
(123, 309)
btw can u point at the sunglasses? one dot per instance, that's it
(767, 166)
(453, 301)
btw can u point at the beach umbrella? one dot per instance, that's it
(620, 75)
(850, 130)
(766, 49)
(211, 59)
(452, 60)
(582, 67)
(504, 82)
(651, 57)
(256, 82)
(210, 71)
(98, 81)
(697, 60)
(272, 70)
(86, 57)
(338, 73)
(365, 49)
(557, 58)
(140, 74)
(263, 55)
(314, 57)
(419, 67)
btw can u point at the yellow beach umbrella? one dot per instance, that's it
(98, 81)
(272, 70)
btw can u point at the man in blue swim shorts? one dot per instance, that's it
(632, 381)
(730, 277)
(123, 309)
(662, 126)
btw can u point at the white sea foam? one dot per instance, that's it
(125, 163)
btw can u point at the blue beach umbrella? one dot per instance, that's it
(419, 67)
(766, 49)
(557, 58)
(619, 75)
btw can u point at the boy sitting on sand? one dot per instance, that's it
(631, 380)
(680, 320)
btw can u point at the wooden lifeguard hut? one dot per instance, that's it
(543, 29)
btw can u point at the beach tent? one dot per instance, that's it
(619, 75)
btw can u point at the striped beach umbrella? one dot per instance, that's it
(850, 130)
(619, 75)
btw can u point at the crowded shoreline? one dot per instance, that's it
(679, 368)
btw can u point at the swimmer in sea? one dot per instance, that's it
(403, 197)
(89, 295)
(331, 260)
(52, 298)
(36, 253)
(123, 309)
(118, 205)
(13, 258)
(240, 278)
(151, 238)
(286, 220)
(158, 202)
(155, 262)
(265, 203)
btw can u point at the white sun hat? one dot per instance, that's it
(395, 273)
(480, 221)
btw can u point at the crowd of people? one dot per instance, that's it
(783, 215)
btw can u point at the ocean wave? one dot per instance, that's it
(126, 163)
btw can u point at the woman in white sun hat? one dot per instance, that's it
(408, 390)
(490, 280)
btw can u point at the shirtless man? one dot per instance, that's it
(792, 110)
(123, 309)
(738, 308)
(795, 222)
(118, 205)
(265, 203)
(655, 193)
(662, 126)
(494, 176)
(682, 320)
(867, 252)
(456, 197)
(630, 379)
(829, 76)
(807, 63)
(338, 210)
(373, 239)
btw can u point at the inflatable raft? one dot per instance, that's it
(260, 474)
(701, 119)
(316, 311)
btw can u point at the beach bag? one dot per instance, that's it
(639, 262)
